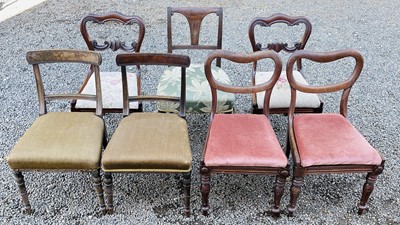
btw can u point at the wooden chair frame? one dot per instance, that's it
(114, 45)
(281, 172)
(300, 172)
(139, 59)
(278, 47)
(61, 56)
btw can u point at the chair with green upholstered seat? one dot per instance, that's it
(61, 141)
(150, 142)
(198, 92)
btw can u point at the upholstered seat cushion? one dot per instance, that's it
(330, 139)
(149, 142)
(280, 97)
(198, 91)
(243, 140)
(60, 140)
(111, 89)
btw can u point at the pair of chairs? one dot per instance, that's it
(236, 143)
(198, 97)
(319, 142)
(74, 141)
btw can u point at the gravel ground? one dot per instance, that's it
(68, 198)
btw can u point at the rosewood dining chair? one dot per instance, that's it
(280, 98)
(328, 142)
(242, 143)
(114, 26)
(198, 94)
(150, 142)
(61, 141)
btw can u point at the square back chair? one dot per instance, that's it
(280, 98)
(328, 142)
(198, 94)
(150, 142)
(111, 81)
(242, 143)
(61, 141)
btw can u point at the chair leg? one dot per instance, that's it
(278, 191)
(295, 190)
(99, 190)
(205, 189)
(186, 193)
(368, 188)
(108, 191)
(22, 190)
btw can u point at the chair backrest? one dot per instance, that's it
(280, 18)
(324, 57)
(242, 58)
(194, 16)
(113, 44)
(166, 59)
(65, 56)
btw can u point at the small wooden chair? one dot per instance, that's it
(198, 93)
(147, 142)
(280, 98)
(111, 81)
(242, 143)
(328, 142)
(61, 141)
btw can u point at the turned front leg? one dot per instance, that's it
(278, 191)
(368, 188)
(99, 190)
(186, 192)
(108, 191)
(205, 190)
(295, 190)
(19, 178)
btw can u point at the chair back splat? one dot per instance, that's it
(111, 80)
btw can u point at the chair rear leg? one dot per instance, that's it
(295, 190)
(186, 193)
(368, 188)
(108, 191)
(205, 189)
(278, 191)
(99, 190)
(19, 178)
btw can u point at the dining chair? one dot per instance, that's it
(150, 142)
(328, 142)
(280, 98)
(242, 143)
(113, 31)
(61, 141)
(198, 93)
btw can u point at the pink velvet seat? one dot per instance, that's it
(328, 143)
(243, 140)
(242, 143)
(330, 139)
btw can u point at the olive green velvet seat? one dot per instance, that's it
(150, 142)
(61, 141)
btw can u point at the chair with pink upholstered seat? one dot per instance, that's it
(242, 143)
(328, 142)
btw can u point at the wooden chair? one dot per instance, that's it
(198, 93)
(150, 142)
(242, 143)
(328, 143)
(111, 81)
(280, 98)
(61, 141)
